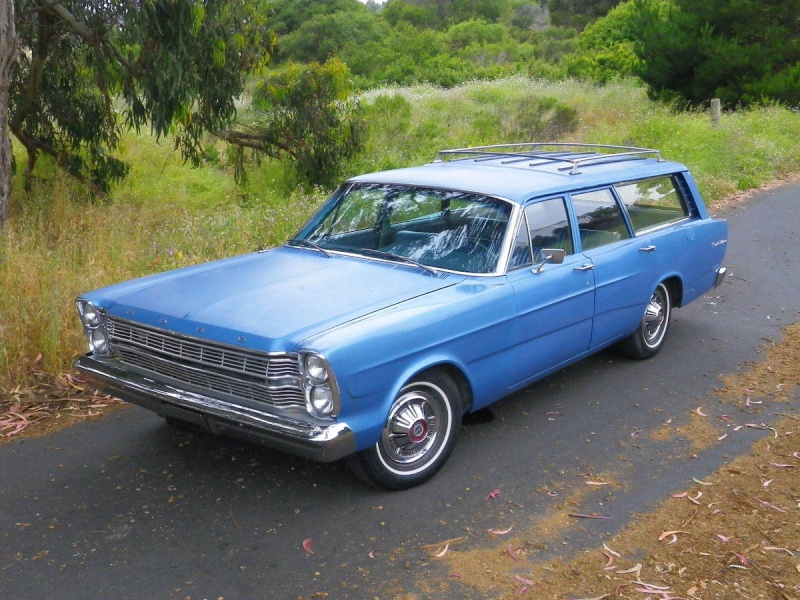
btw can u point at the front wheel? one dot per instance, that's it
(648, 338)
(418, 436)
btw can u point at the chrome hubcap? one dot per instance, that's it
(411, 430)
(655, 317)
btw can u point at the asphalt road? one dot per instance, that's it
(125, 507)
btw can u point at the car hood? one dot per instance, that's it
(270, 301)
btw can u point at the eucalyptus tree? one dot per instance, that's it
(87, 70)
(8, 55)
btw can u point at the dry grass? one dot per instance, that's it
(54, 249)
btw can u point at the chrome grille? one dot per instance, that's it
(213, 368)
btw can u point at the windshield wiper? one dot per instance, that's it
(308, 244)
(394, 257)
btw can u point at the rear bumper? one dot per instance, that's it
(721, 273)
(324, 442)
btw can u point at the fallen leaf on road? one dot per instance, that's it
(669, 533)
(772, 506)
(611, 551)
(635, 569)
(500, 531)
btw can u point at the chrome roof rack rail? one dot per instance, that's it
(572, 154)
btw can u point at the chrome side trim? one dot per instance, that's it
(325, 442)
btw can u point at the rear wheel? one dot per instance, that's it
(648, 338)
(418, 436)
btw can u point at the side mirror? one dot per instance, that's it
(550, 255)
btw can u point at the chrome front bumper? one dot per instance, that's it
(323, 442)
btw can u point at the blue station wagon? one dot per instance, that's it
(411, 298)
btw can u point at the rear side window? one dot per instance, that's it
(652, 202)
(600, 219)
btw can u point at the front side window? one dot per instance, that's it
(444, 229)
(652, 202)
(521, 249)
(600, 219)
(549, 226)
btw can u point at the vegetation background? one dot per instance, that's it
(352, 88)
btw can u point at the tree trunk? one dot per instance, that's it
(8, 56)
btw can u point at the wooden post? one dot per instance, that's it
(715, 111)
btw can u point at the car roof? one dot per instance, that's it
(518, 172)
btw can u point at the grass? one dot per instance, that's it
(57, 243)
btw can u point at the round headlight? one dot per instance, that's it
(322, 400)
(316, 369)
(98, 341)
(91, 315)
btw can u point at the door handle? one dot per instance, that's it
(588, 267)
(650, 248)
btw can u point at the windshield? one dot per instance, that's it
(442, 229)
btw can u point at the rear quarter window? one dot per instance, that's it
(600, 218)
(652, 203)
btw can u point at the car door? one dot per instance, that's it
(555, 302)
(622, 264)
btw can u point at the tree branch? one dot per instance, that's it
(252, 141)
(34, 146)
(59, 11)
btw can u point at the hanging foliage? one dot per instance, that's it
(91, 69)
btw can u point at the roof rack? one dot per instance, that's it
(539, 153)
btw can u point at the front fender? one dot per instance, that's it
(467, 327)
